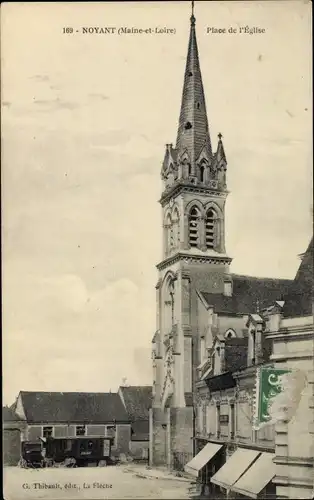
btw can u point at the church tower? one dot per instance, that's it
(194, 257)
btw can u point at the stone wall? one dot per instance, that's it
(160, 437)
(139, 450)
(11, 443)
(181, 422)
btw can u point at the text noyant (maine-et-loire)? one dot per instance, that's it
(239, 30)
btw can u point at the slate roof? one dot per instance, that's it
(235, 354)
(247, 292)
(82, 407)
(140, 430)
(9, 415)
(299, 299)
(138, 400)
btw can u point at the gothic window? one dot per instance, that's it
(230, 334)
(202, 169)
(169, 313)
(169, 233)
(193, 226)
(210, 228)
(171, 294)
(176, 228)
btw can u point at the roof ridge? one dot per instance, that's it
(68, 392)
(235, 275)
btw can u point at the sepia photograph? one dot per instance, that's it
(157, 250)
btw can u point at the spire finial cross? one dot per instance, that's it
(192, 15)
(220, 136)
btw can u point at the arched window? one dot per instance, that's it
(230, 334)
(171, 296)
(169, 233)
(210, 228)
(202, 170)
(169, 316)
(176, 228)
(193, 226)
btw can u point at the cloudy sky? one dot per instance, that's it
(85, 120)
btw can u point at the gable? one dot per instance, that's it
(137, 401)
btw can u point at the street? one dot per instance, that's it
(91, 483)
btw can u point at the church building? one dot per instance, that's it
(197, 296)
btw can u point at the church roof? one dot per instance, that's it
(80, 407)
(235, 354)
(137, 400)
(299, 299)
(193, 131)
(248, 294)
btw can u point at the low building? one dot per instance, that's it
(71, 414)
(137, 401)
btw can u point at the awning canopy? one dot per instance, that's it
(233, 469)
(256, 477)
(202, 458)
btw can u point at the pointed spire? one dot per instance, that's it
(220, 155)
(193, 132)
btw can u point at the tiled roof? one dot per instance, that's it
(138, 400)
(235, 354)
(299, 299)
(248, 293)
(88, 407)
(9, 415)
(140, 430)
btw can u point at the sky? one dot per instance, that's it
(85, 120)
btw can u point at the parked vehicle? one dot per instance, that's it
(32, 454)
(79, 451)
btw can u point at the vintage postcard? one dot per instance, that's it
(157, 250)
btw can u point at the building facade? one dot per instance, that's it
(275, 461)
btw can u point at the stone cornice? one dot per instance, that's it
(293, 333)
(292, 355)
(185, 187)
(193, 258)
(307, 462)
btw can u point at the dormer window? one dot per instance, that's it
(228, 288)
(230, 334)
(188, 126)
